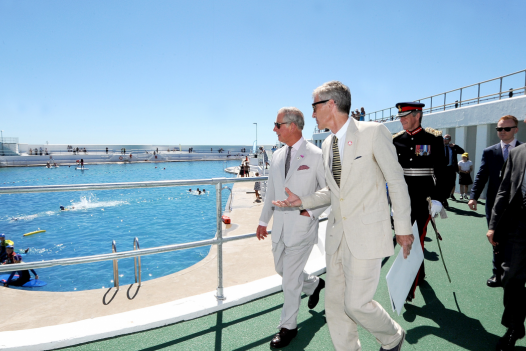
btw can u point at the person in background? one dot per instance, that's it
(493, 159)
(421, 156)
(451, 151)
(465, 167)
(23, 275)
(257, 188)
(81, 163)
(362, 114)
(507, 234)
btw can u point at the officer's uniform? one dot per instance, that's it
(421, 155)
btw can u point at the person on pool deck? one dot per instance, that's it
(23, 275)
(81, 163)
(359, 159)
(298, 166)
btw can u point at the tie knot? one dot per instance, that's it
(507, 146)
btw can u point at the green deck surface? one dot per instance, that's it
(463, 315)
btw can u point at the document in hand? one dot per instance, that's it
(403, 273)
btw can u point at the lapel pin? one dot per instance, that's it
(349, 143)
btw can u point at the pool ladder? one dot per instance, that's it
(136, 266)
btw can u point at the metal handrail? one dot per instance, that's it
(219, 240)
(460, 101)
(137, 267)
(115, 266)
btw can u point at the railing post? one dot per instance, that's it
(219, 212)
(500, 91)
(115, 267)
(444, 101)
(478, 96)
(460, 100)
(431, 105)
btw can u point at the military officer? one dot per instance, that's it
(421, 155)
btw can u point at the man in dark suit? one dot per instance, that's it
(451, 151)
(507, 233)
(493, 159)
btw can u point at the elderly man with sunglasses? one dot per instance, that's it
(297, 166)
(493, 159)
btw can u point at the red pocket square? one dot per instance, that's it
(302, 167)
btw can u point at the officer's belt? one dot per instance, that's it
(418, 172)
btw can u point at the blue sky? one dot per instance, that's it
(202, 72)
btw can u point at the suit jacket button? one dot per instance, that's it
(344, 218)
(341, 199)
(410, 159)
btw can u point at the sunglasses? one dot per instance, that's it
(507, 129)
(278, 125)
(316, 103)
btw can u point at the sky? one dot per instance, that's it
(203, 72)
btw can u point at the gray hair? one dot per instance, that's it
(336, 91)
(415, 113)
(292, 115)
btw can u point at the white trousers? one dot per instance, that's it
(349, 291)
(290, 263)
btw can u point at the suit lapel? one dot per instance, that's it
(296, 160)
(349, 154)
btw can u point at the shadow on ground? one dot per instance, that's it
(453, 325)
(306, 331)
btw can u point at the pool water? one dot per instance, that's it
(159, 216)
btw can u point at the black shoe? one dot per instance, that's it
(397, 347)
(507, 342)
(283, 338)
(494, 282)
(446, 204)
(315, 297)
(453, 197)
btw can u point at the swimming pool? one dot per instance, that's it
(158, 217)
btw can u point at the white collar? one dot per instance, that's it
(343, 130)
(298, 143)
(513, 143)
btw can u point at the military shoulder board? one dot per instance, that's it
(434, 131)
(398, 134)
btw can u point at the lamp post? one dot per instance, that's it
(256, 135)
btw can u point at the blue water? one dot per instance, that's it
(157, 217)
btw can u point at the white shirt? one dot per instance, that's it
(341, 134)
(512, 144)
(465, 166)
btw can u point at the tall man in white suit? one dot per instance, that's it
(359, 159)
(297, 166)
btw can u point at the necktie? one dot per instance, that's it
(506, 151)
(447, 156)
(336, 163)
(287, 161)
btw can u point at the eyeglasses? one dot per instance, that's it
(316, 103)
(507, 129)
(278, 125)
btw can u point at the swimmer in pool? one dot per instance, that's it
(23, 275)
(204, 191)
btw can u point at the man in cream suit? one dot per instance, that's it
(298, 166)
(359, 158)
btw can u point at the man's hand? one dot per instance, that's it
(406, 241)
(292, 201)
(36, 277)
(489, 235)
(261, 232)
(472, 204)
(451, 144)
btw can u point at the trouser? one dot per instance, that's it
(422, 220)
(497, 257)
(515, 280)
(350, 287)
(290, 263)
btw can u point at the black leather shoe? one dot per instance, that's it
(397, 347)
(315, 297)
(283, 338)
(446, 204)
(494, 282)
(507, 342)
(453, 197)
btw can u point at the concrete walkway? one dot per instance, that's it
(244, 261)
